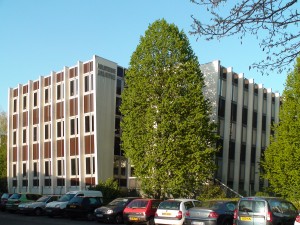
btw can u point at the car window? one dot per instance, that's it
(230, 206)
(256, 206)
(138, 204)
(188, 205)
(175, 205)
(93, 201)
(119, 202)
(15, 196)
(43, 199)
(197, 203)
(66, 197)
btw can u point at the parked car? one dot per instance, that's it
(211, 213)
(38, 207)
(113, 211)
(3, 201)
(16, 199)
(83, 206)
(57, 208)
(264, 211)
(173, 211)
(140, 211)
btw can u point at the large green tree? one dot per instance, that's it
(166, 130)
(281, 162)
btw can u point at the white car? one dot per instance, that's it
(173, 211)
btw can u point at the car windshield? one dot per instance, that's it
(173, 205)
(118, 202)
(43, 199)
(76, 200)
(138, 204)
(66, 198)
(5, 195)
(15, 196)
(212, 205)
(256, 206)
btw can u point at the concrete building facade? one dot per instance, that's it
(244, 112)
(64, 128)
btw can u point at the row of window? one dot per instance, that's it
(88, 129)
(88, 87)
(89, 167)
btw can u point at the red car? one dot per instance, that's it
(140, 211)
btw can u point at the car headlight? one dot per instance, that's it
(110, 211)
(57, 206)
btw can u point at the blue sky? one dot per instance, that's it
(37, 37)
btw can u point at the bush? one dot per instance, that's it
(110, 190)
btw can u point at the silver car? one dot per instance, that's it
(37, 208)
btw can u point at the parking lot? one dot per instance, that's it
(7, 218)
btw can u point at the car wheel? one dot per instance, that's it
(226, 222)
(118, 219)
(38, 211)
(90, 216)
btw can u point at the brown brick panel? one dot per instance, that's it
(35, 151)
(25, 119)
(36, 85)
(15, 93)
(59, 77)
(59, 110)
(15, 156)
(47, 81)
(88, 103)
(89, 144)
(25, 89)
(15, 119)
(35, 116)
(25, 153)
(60, 148)
(90, 181)
(74, 146)
(47, 113)
(73, 107)
(47, 150)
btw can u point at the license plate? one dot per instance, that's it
(72, 206)
(99, 215)
(133, 218)
(166, 214)
(244, 218)
(48, 210)
(197, 223)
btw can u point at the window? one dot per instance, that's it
(35, 169)
(14, 170)
(74, 167)
(89, 123)
(118, 104)
(47, 168)
(88, 83)
(58, 92)
(119, 86)
(24, 102)
(24, 136)
(73, 126)
(74, 87)
(14, 137)
(60, 129)
(90, 165)
(35, 101)
(47, 131)
(24, 170)
(47, 95)
(35, 134)
(60, 167)
(15, 105)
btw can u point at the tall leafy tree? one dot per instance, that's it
(166, 130)
(281, 162)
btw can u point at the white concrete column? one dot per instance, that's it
(66, 113)
(249, 136)
(81, 125)
(238, 137)
(19, 138)
(29, 138)
(269, 116)
(53, 132)
(41, 134)
(258, 137)
(10, 140)
(227, 126)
